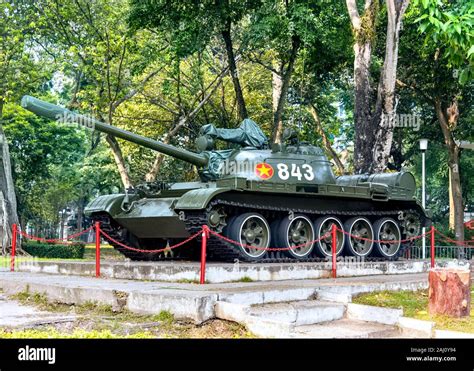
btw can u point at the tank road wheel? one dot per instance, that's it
(359, 227)
(323, 226)
(387, 229)
(293, 232)
(252, 230)
(217, 219)
(411, 225)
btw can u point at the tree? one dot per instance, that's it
(191, 25)
(374, 117)
(447, 25)
(19, 72)
(109, 64)
(52, 169)
(276, 33)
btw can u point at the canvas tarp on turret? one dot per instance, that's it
(248, 134)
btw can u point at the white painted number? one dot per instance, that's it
(295, 171)
(309, 175)
(283, 171)
(284, 174)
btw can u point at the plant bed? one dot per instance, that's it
(59, 251)
(415, 305)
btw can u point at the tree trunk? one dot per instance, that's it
(326, 142)
(241, 107)
(80, 213)
(448, 120)
(364, 30)
(151, 175)
(8, 206)
(155, 168)
(450, 292)
(362, 108)
(285, 83)
(277, 85)
(61, 226)
(385, 108)
(119, 161)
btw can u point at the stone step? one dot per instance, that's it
(346, 328)
(298, 313)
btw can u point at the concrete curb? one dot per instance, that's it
(65, 295)
(416, 327)
(368, 313)
(197, 307)
(225, 272)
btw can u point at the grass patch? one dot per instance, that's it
(185, 280)
(410, 302)
(53, 333)
(165, 317)
(415, 305)
(94, 320)
(245, 279)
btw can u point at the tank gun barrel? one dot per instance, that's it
(53, 112)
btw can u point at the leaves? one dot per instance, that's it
(449, 24)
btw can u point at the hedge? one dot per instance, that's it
(47, 250)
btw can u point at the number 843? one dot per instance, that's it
(297, 171)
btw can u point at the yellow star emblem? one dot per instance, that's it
(264, 171)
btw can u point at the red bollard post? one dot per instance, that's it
(205, 235)
(97, 249)
(432, 232)
(334, 264)
(14, 238)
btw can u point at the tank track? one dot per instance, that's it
(218, 249)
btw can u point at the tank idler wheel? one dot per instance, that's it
(387, 230)
(295, 231)
(323, 226)
(251, 230)
(359, 227)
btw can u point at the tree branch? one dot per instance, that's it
(326, 141)
(353, 13)
(139, 88)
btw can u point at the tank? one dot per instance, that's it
(261, 196)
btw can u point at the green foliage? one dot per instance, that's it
(165, 317)
(449, 24)
(53, 333)
(188, 24)
(51, 167)
(410, 302)
(20, 67)
(427, 75)
(245, 279)
(45, 250)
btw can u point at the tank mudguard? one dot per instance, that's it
(198, 198)
(108, 203)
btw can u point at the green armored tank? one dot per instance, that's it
(286, 196)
